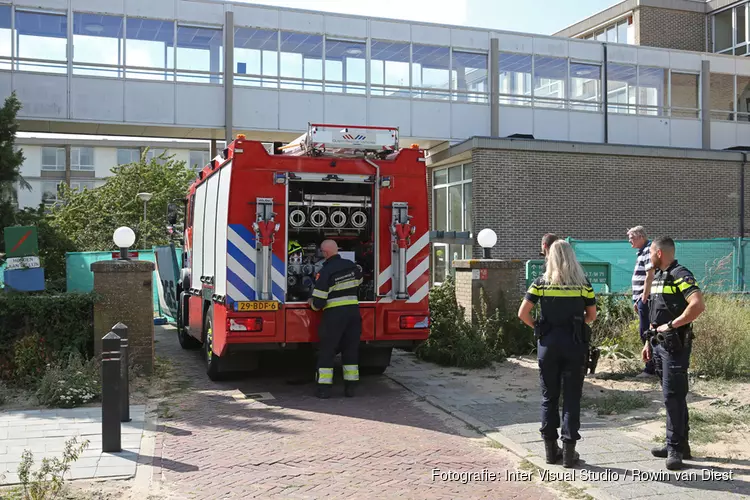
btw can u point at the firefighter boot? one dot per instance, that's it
(664, 453)
(323, 391)
(674, 460)
(553, 451)
(350, 388)
(570, 455)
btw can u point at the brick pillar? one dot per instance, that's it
(499, 279)
(125, 292)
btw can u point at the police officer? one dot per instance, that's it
(568, 305)
(335, 293)
(547, 241)
(675, 302)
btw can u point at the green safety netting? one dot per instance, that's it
(716, 263)
(81, 279)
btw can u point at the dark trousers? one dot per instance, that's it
(562, 366)
(643, 328)
(340, 330)
(672, 369)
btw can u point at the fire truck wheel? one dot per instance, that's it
(186, 340)
(212, 360)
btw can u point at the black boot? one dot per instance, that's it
(323, 391)
(552, 450)
(570, 455)
(664, 453)
(674, 460)
(349, 389)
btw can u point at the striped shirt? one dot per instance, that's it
(642, 266)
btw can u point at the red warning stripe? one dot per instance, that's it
(20, 242)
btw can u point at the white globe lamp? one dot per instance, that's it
(487, 239)
(124, 238)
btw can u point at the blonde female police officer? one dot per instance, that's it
(567, 305)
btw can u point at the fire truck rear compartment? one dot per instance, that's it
(333, 210)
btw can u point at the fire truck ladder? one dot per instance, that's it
(344, 140)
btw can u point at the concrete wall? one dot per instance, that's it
(524, 194)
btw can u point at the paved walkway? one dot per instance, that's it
(615, 464)
(262, 436)
(44, 433)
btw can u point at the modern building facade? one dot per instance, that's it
(90, 162)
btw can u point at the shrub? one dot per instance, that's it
(721, 347)
(64, 321)
(70, 382)
(30, 359)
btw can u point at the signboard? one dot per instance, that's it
(168, 272)
(598, 273)
(22, 263)
(21, 241)
(132, 255)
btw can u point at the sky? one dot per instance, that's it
(531, 16)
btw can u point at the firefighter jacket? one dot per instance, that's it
(337, 284)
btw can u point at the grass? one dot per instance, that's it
(571, 491)
(707, 426)
(615, 402)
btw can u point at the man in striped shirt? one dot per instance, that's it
(643, 275)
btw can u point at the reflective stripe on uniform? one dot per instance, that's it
(325, 375)
(351, 372)
(320, 294)
(345, 285)
(346, 300)
(580, 292)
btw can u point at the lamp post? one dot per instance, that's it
(487, 239)
(124, 238)
(145, 197)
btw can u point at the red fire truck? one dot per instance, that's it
(254, 223)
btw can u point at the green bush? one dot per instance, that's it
(30, 359)
(453, 340)
(721, 347)
(70, 382)
(64, 321)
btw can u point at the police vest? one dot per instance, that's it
(337, 284)
(560, 303)
(669, 293)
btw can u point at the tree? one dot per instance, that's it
(10, 159)
(89, 217)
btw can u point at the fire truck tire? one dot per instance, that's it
(212, 360)
(185, 339)
(374, 360)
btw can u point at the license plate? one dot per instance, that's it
(258, 305)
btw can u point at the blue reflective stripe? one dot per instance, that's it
(278, 292)
(277, 264)
(243, 233)
(240, 285)
(240, 257)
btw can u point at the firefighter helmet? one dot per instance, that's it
(294, 247)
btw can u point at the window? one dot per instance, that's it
(150, 49)
(346, 66)
(550, 75)
(154, 154)
(81, 158)
(622, 81)
(256, 57)
(469, 77)
(42, 36)
(50, 191)
(199, 159)
(301, 61)
(452, 194)
(97, 40)
(730, 30)
(515, 79)
(127, 156)
(652, 84)
(389, 68)
(200, 54)
(6, 36)
(622, 32)
(684, 92)
(430, 70)
(81, 185)
(722, 97)
(53, 158)
(585, 87)
(743, 98)
(613, 33)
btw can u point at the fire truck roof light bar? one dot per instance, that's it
(366, 127)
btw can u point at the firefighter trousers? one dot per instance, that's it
(340, 330)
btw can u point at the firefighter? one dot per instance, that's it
(675, 302)
(567, 304)
(335, 293)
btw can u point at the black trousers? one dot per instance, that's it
(562, 368)
(672, 370)
(340, 330)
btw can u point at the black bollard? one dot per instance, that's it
(121, 331)
(111, 435)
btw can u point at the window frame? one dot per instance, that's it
(462, 168)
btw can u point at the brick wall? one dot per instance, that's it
(464, 292)
(670, 29)
(524, 194)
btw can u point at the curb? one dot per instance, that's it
(144, 472)
(500, 438)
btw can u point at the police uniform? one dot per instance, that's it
(335, 293)
(562, 343)
(669, 292)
